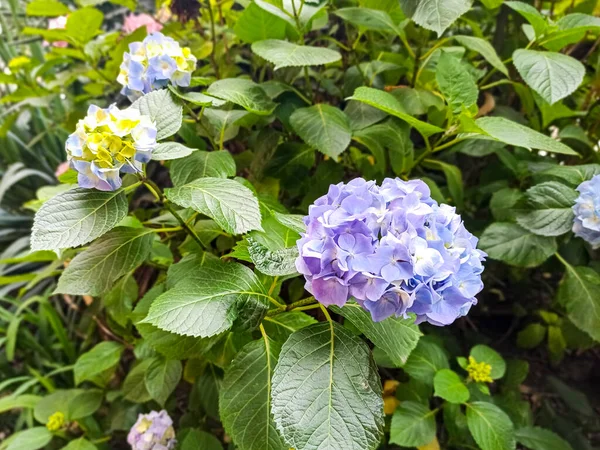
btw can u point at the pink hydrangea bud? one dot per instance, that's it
(134, 21)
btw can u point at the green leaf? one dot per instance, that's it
(433, 14)
(425, 361)
(286, 54)
(536, 438)
(388, 103)
(485, 49)
(209, 301)
(120, 299)
(491, 428)
(552, 75)
(50, 8)
(80, 444)
(503, 202)
(134, 386)
(323, 127)
(94, 271)
(455, 82)
(232, 205)
(514, 245)
(413, 425)
(165, 112)
(197, 439)
(102, 358)
(30, 439)
(201, 164)
(326, 391)
(75, 404)
(245, 397)
(171, 150)
(448, 385)
(398, 337)
(256, 24)
(197, 98)
(76, 217)
(275, 263)
(162, 378)
(512, 133)
(483, 353)
(579, 294)
(245, 93)
(281, 326)
(84, 24)
(370, 19)
(362, 115)
(532, 15)
(531, 336)
(18, 402)
(574, 175)
(292, 221)
(453, 178)
(550, 209)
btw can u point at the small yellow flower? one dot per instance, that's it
(479, 372)
(18, 62)
(56, 421)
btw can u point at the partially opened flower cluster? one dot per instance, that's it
(393, 249)
(152, 431)
(587, 212)
(153, 63)
(107, 142)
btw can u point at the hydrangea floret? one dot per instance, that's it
(107, 142)
(153, 63)
(152, 431)
(480, 372)
(393, 249)
(587, 212)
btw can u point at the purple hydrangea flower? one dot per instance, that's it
(587, 212)
(152, 63)
(152, 431)
(393, 249)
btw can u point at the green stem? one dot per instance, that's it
(300, 304)
(562, 260)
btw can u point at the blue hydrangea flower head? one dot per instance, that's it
(153, 63)
(393, 249)
(107, 142)
(153, 431)
(587, 212)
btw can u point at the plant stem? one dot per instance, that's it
(293, 306)
(213, 33)
(160, 196)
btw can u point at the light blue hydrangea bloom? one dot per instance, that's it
(107, 142)
(153, 63)
(587, 212)
(393, 249)
(153, 431)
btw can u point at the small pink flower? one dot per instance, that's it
(62, 168)
(134, 21)
(58, 23)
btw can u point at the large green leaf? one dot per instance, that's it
(100, 359)
(201, 164)
(491, 428)
(232, 205)
(514, 245)
(395, 335)
(371, 19)
(552, 75)
(84, 24)
(272, 262)
(76, 217)
(209, 301)
(170, 150)
(286, 54)
(579, 294)
(448, 385)
(94, 271)
(256, 24)
(163, 109)
(485, 49)
(323, 127)
(455, 82)
(326, 391)
(162, 378)
(532, 15)
(242, 92)
(485, 354)
(413, 425)
(279, 327)
(574, 175)
(549, 211)
(425, 361)
(80, 444)
(30, 439)
(200, 440)
(513, 133)
(435, 15)
(536, 438)
(75, 404)
(51, 8)
(245, 397)
(388, 103)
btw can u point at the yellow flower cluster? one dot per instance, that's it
(56, 421)
(479, 371)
